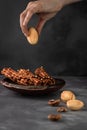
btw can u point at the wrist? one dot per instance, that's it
(66, 2)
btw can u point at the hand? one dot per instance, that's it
(44, 8)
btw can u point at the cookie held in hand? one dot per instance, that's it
(33, 36)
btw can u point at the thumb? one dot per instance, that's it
(40, 25)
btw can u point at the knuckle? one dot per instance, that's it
(34, 6)
(31, 11)
(30, 3)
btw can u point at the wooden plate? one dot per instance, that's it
(32, 89)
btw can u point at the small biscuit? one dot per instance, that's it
(75, 104)
(33, 36)
(67, 95)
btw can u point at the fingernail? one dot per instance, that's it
(25, 35)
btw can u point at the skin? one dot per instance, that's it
(46, 9)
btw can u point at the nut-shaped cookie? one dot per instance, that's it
(67, 95)
(75, 104)
(33, 36)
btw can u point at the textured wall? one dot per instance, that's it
(62, 47)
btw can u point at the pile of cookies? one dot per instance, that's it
(26, 77)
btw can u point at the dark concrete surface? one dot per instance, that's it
(19, 112)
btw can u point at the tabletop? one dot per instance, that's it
(24, 112)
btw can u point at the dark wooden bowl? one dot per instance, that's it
(32, 90)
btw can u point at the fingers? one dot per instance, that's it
(25, 16)
(23, 28)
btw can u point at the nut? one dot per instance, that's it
(33, 36)
(53, 102)
(75, 104)
(67, 95)
(61, 109)
(54, 117)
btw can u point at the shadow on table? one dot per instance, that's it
(40, 96)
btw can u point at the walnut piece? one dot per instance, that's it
(54, 117)
(61, 109)
(53, 102)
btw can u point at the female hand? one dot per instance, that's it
(46, 9)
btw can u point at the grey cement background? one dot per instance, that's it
(62, 47)
(18, 112)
